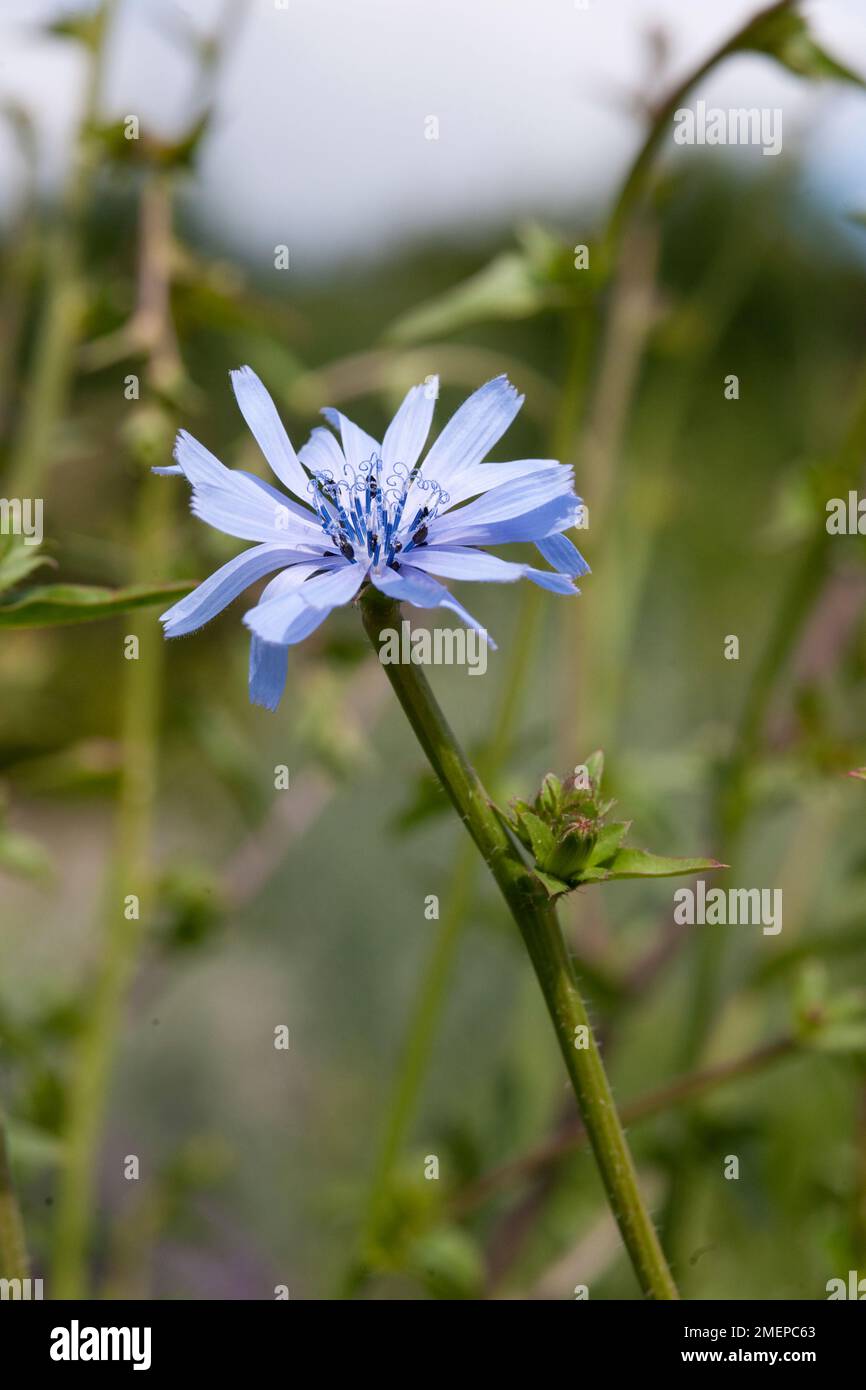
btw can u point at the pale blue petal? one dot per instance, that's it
(423, 591)
(358, 446)
(478, 565)
(338, 586)
(284, 507)
(557, 515)
(267, 429)
(237, 503)
(284, 619)
(224, 585)
(472, 431)
(407, 433)
(322, 453)
(559, 552)
(485, 476)
(510, 500)
(268, 669)
(291, 579)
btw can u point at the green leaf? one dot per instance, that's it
(785, 36)
(449, 1262)
(554, 886)
(810, 993)
(639, 863)
(23, 856)
(508, 288)
(595, 768)
(54, 605)
(31, 1146)
(540, 835)
(550, 796)
(610, 837)
(17, 560)
(841, 1037)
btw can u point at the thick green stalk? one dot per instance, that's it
(543, 938)
(13, 1247)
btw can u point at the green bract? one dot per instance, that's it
(566, 832)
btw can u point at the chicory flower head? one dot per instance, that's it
(364, 512)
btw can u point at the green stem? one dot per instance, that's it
(14, 1263)
(130, 875)
(537, 920)
(637, 179)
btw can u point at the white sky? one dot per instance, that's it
(321, 138)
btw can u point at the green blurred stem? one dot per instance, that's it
(119, 948)
(539, 927)
(14, 1263)
(683, 1089)
(59, 326)
(732, 800)
(637, 180)
(142, 678)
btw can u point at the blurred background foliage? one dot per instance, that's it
(306, 907)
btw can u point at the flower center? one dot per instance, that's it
(364, 510)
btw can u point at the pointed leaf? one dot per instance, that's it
(639, 863)
(540, 836)
(595, 768)
(785, 36)
(610, 837)
(17, 560)
(54, 605)
(550, 797)
(507, 288)
(554, 886)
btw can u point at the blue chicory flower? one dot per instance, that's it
(366, 512)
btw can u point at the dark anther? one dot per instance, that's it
(420, 535)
